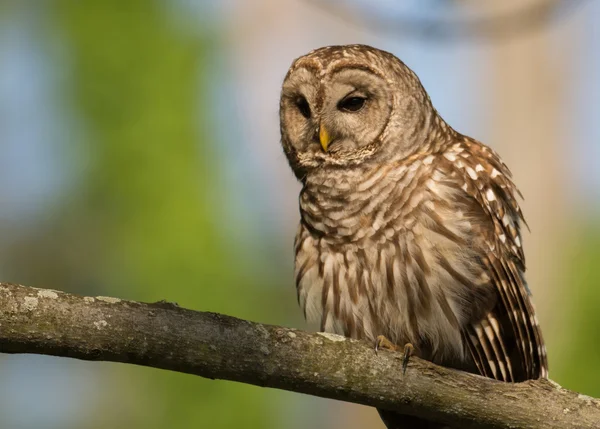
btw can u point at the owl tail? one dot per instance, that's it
(398, 421)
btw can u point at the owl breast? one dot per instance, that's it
(373, 259)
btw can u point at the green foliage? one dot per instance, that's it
(150, 192)
(578, 363)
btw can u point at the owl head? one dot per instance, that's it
(348, 105)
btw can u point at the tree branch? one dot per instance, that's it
(442, 30)
(210, 345)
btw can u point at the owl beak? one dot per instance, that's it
(324, 137)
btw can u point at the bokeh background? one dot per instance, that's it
(140, 158)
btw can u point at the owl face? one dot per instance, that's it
(343, 105)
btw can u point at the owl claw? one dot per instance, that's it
(382, 342)
(408, 352)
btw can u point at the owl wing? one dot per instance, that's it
(506, 343)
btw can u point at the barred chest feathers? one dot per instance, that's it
(394, 251)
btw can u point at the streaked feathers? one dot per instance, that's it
(408, 229)
(439, 264)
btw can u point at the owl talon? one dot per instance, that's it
(382, 342)
(408, 352)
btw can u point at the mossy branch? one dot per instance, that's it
(215, 346)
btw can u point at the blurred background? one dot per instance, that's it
(140, 158)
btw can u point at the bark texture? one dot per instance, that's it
(215, 346)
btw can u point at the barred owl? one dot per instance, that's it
(409, 229)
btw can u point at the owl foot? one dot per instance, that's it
(382, 342)
(408, 352)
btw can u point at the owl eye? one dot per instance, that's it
(303, 107)
(352, 104)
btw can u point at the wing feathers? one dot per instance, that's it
(507, 342)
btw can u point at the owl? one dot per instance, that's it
(409, 231)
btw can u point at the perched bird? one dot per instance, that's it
(409, 230)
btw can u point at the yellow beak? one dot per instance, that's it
(324, 137)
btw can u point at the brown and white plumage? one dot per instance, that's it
(408, 229)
